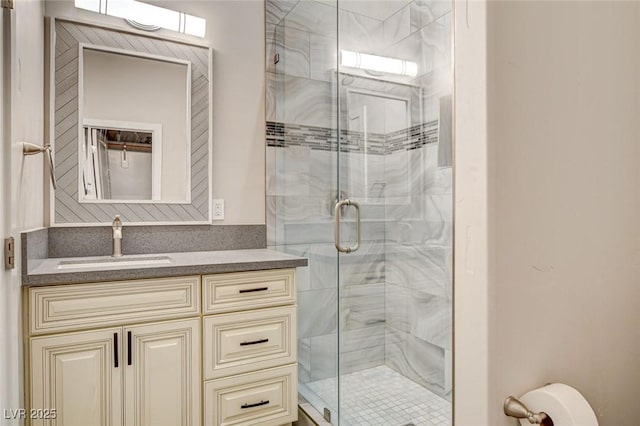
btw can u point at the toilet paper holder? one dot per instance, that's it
(514, 408)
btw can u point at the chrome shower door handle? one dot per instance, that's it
(339, 204)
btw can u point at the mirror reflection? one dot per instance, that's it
(135, 142)
(119, 163)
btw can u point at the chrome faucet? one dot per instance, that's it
(117, 236)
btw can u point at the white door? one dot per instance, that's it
(6, 399)
(10, 334)
(162, 374)
(4, 279)
(21, 179)
(80, 376)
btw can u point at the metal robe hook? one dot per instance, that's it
(29, 148)
(124, 162)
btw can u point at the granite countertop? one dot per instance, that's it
(94, 269)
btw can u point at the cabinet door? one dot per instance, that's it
(162, 374)
(80, 376)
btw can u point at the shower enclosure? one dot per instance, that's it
(359, 108)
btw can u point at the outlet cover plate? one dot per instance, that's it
(218, 209)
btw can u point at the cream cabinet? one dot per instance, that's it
(137, 376)
(248, 341)
(242, 291)
(162, 374)
(151, 352)
(86, 306)
(77, 375)
(138, 366)
(249, 338)
(265, 398)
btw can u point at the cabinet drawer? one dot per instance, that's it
(83, 306)
(248, 290)
(266, 398)
(247, 341)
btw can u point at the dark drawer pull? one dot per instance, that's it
(257, 404)
(255, 342)
(128, 348)
(115, 350)
(251, 290)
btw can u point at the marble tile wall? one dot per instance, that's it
(418, 196)
(393, 306)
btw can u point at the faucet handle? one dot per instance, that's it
(117, 236)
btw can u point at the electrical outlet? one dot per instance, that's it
(218, 209)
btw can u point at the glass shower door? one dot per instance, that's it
(302, 180)
(394, 162)
(359, 100)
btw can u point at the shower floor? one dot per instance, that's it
(381, 396)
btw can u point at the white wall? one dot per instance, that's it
(28, 115)
(563, 202)
(471, 268)
(235, 29)
(134, 181)
(23, 178)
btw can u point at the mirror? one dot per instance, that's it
(135, 140)
(130, 123)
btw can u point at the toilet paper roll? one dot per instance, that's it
(562, 403)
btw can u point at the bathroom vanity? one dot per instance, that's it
(198, 327)
(213, 347)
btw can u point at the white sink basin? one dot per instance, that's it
(115, 262)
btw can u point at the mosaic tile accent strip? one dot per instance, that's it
(322, 138)
(381, 396)
(325, 139)
(413, 137)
